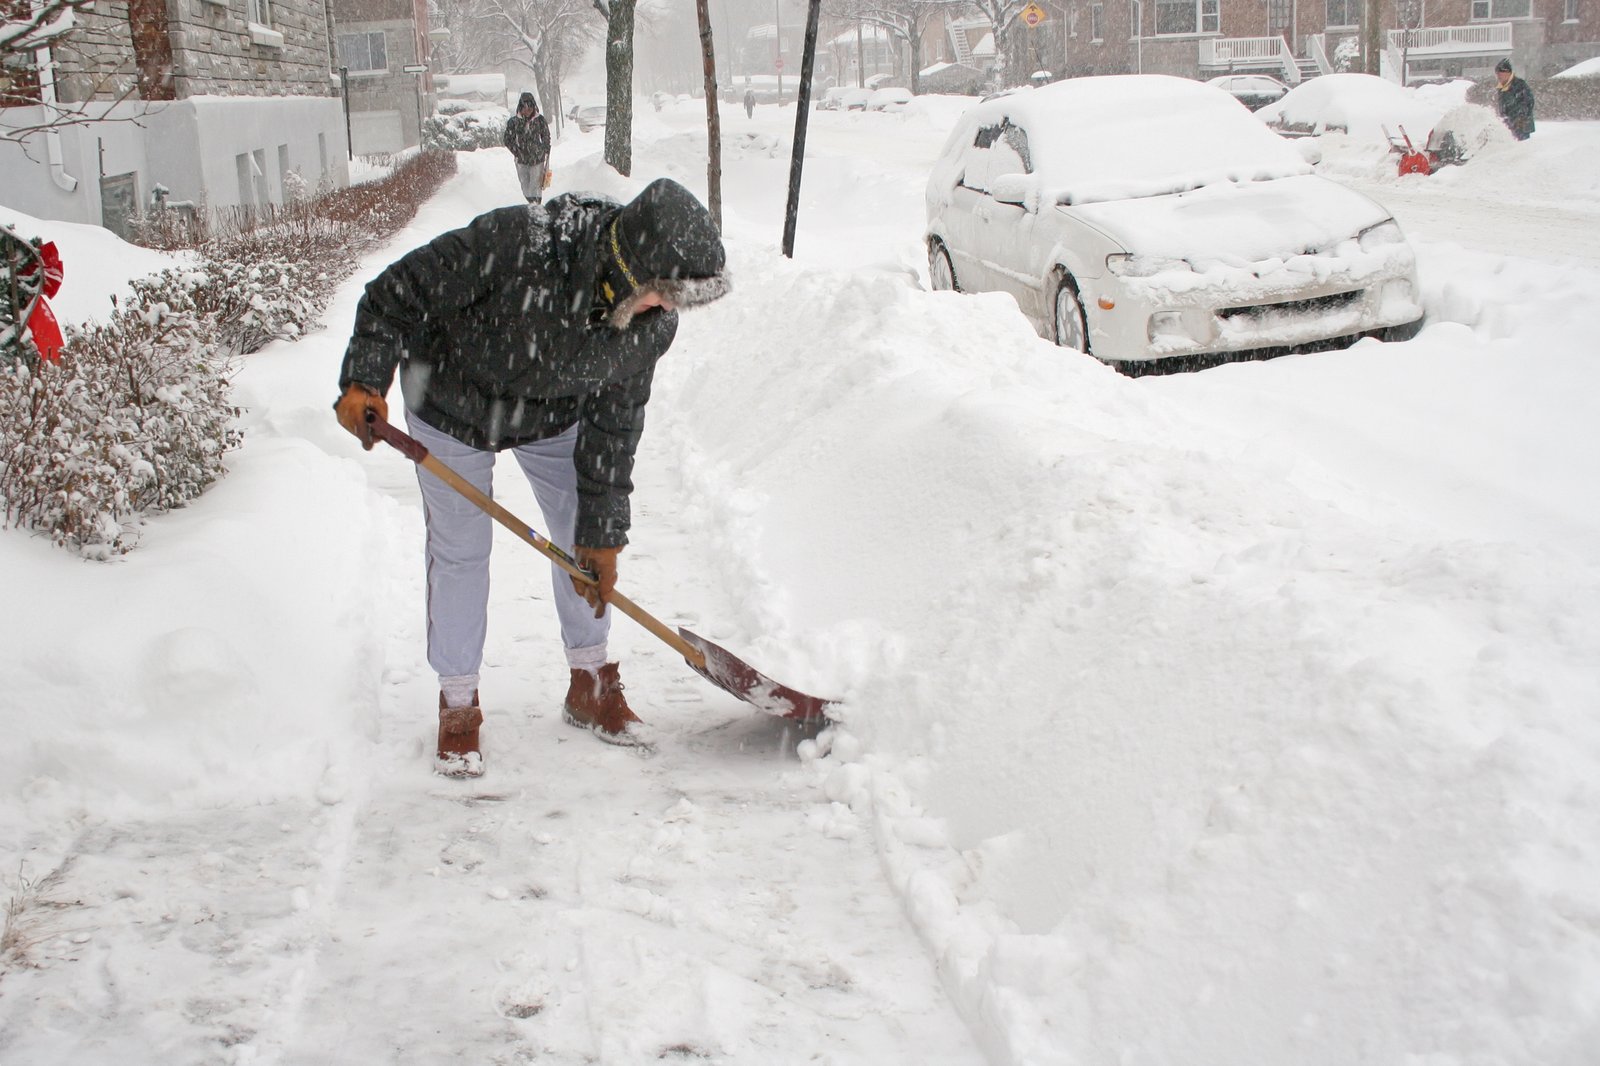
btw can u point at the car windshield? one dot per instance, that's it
(1113, 138)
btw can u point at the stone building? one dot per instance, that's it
(382, 46)
(200, 105)
(1297, 39)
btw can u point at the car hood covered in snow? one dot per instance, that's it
(1237, 224)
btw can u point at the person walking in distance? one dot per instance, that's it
(528, 137)
(1514, 101)
(535, 332)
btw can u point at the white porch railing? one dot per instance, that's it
(1487, 37)
(1230, 52)
(1317, 48)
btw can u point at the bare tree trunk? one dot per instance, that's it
(619, 87)
(1372, 36)
(713, 121)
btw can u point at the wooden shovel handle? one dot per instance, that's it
(418, 453)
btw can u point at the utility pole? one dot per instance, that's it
(803, 97)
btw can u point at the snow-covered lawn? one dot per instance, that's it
(1246, 717)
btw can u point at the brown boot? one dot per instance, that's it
(458, 740)
(595, 702)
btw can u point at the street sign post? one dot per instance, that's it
(1032, 15)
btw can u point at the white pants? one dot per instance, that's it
(458, 540)
(531, 178)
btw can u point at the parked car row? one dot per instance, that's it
(853, 98)
(1141, 217)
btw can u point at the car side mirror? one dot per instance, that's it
(1021, 190)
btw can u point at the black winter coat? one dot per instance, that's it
(1516, 107)
(500, 339)
(528, 139)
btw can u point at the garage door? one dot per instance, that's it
(376, 132)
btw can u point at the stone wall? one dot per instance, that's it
(215, 51)
(95, 62)
(218, 51)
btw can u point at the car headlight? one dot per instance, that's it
(1387, 232)
(1124, 265)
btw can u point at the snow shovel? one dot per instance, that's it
(716, 664)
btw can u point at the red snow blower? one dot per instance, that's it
(1442, 149)
(716, 664)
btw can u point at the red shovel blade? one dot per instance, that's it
(732, 674)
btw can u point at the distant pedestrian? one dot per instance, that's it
(528, 137)
(749, 103)
(1514, 101)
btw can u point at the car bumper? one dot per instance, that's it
(1160, 321)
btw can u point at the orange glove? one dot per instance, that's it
(352, 410)
(603, 563)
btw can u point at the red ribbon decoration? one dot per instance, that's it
(42, 322)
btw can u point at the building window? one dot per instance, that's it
(1483, 10)
(362, 52)
(1188, 16)
(1571, 13)
(1344, 12)
(260, 12)
(1097, 22)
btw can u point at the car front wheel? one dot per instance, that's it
(940, 273)
(1070, 328)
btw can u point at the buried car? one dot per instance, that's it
(1254, 91)
(1141, 217)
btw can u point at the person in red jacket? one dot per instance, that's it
(534, 331)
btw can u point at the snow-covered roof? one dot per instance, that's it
(1136, 135)
(485, 85)
(868, 33)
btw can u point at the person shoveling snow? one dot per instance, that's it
(535, 330)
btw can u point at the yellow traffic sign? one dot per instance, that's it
(1032, 15)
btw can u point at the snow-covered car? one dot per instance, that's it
(588, 116)
(1139, 217)
(1254, 91)
(890, 99)
(832, 99)
(1589, 68)
(1364, 106)
(855, 99)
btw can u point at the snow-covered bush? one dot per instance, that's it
(272, 282)
(133, 420)
(136, 416)
(465, 131)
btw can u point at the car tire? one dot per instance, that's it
(1068, 325)
(941, 272)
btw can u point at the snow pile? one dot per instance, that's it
(1204, 728)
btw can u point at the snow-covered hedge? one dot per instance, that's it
(136, 416)
(134, 419)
